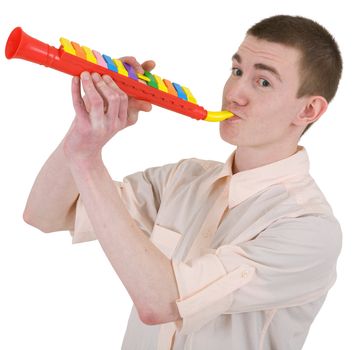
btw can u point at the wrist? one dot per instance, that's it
(85, 162)
(76, 155)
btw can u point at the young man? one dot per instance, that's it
(238, 255)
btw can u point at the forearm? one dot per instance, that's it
(144, 270)
(50, 205)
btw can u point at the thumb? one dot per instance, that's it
(148, 65)
(140, 105)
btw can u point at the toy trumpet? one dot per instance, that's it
(73, 59)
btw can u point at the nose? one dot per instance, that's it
(236, 93)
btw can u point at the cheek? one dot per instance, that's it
(268, 119)
(272, 109)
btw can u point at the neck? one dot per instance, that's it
(247, 158)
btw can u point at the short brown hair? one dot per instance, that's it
(321, 63)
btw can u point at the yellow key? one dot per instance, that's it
(142, 77)
(67, 46)
(161, 85)
(89, 54)
(120, 67)
(190, 96)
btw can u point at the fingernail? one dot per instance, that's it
(85, 76)
(107, 78)
(96, 77)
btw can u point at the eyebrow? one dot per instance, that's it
(259, 66)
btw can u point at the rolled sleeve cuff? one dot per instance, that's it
(205, 289)
(83, 230)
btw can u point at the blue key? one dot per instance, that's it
(180, 92)
(110, 63)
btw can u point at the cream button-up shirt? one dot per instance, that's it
(254, 253)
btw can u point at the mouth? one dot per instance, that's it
(234, 119)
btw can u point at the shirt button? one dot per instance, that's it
(244, 274)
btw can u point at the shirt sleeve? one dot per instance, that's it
(291, 263)
(141, 192)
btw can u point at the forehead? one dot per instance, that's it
(253, 50)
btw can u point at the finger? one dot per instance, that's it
(78, 102)
(123, 112)
(133, 63)
(122, 95)
(148, 65)
(140, 68)
(96, 102)
(122, 98)
(140, 105)
(125, 116)
(111, 96)
(86, 101)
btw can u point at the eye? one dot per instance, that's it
(236, 71)
(263, 82)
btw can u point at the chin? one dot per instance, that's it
(228, 136)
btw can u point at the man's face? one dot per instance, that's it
(261, 91)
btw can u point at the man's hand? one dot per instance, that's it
(103, 111)
(136, 105)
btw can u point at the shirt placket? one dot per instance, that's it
(215, 214)
(202, 241)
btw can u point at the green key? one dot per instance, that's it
(152, 81)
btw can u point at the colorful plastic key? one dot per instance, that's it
(110, 63)
(190, 96)
(100, 60)
(67, 46)
(78, 50)
(152, 81)
(130, 71)
(143, 77)
(89, 54)
(120, 67)
(170, 87)
(180, 92)
(160, 83)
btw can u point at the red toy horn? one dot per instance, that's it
(21, 45)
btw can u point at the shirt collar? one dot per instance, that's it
(246, 183)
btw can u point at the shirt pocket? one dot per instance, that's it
(165, 239)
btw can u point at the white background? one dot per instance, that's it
(55, 295)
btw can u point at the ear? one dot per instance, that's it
(313, 108)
